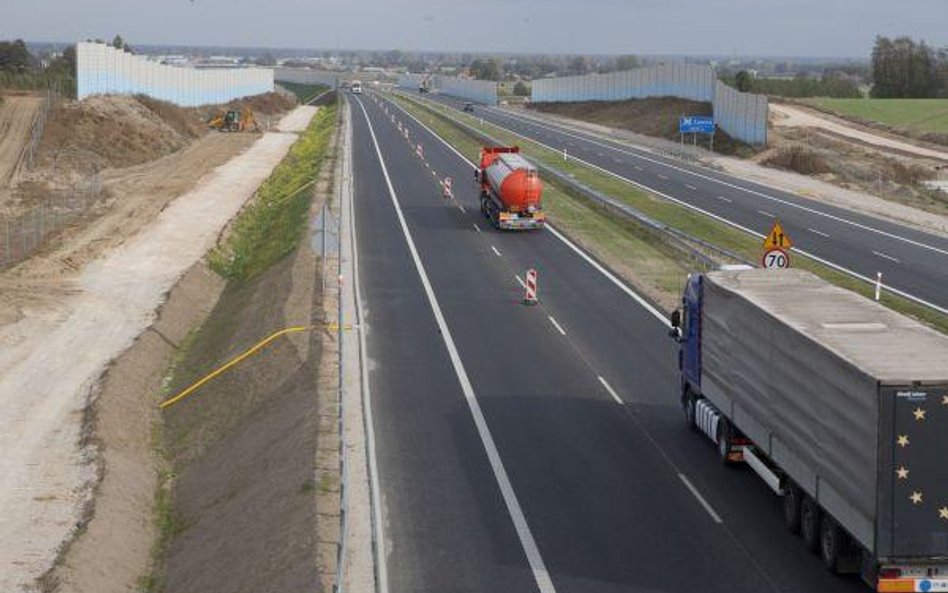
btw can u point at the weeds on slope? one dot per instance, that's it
(270, 227)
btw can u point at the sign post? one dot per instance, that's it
(694, 125)
(777, 247)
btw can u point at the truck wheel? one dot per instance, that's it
(689, 404)
(792, 499)
(724, 440)
(810, 524)
(832, 543)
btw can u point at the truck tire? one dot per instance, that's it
(689, 405)
(810, 524)
(724, 440)
(792, 500)
(832, 544)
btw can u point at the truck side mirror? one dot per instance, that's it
(675, 331)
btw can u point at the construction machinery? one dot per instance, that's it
(233, 120)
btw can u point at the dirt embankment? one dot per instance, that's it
(882, 168)
(243, 450)
(17, 113)
(657, 117)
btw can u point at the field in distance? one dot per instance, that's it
(917, 115)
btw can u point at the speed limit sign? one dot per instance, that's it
(776, 259)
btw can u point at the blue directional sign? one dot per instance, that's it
(696, 124)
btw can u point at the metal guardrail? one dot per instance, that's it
(697, 249)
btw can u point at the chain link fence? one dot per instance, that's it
(24, 234)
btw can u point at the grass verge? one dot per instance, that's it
(304, 92)
(270, 227)
(693, 223)
(918, 115)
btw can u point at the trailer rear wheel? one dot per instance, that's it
(810, 524)
(832, 544)
(724, 441)
(792, 499)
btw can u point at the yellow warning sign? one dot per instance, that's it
(777, 239)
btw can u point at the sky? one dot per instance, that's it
(803, 28)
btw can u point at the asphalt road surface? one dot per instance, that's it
(534, 448)
(911, 261)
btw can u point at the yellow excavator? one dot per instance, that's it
(233, 120)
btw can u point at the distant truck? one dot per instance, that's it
(511, 190)
(839, 404)
(356, 87)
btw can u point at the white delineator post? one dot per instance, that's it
(530, 296)
(878, 285)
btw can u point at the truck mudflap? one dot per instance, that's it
(922, 585)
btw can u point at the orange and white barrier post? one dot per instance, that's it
(446, 185)
(420, 151)
(530, 296)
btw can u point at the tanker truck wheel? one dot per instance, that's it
(792, 499)
(810, 524)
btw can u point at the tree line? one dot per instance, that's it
(829, 84)
(906, 69)
(22, 70)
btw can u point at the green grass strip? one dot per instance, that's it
(694, 223)
(271, 225)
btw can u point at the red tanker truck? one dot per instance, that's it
(510, 189)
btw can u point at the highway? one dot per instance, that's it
(533, 448)
(912, 262)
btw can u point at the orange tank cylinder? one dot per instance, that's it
(513, 179)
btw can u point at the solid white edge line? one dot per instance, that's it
(611, 391)
(704, 503)
(609, 275)
(560, 129)
(558, 327)
(527, 541)
(380, 552)
(723, 220)
(494, 249)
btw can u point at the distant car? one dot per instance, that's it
(469, 107)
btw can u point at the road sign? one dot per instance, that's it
(696, 124)
(776, 259)
(777, 239)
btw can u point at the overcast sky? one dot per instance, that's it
(742, 27)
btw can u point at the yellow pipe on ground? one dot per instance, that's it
(238, 359)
